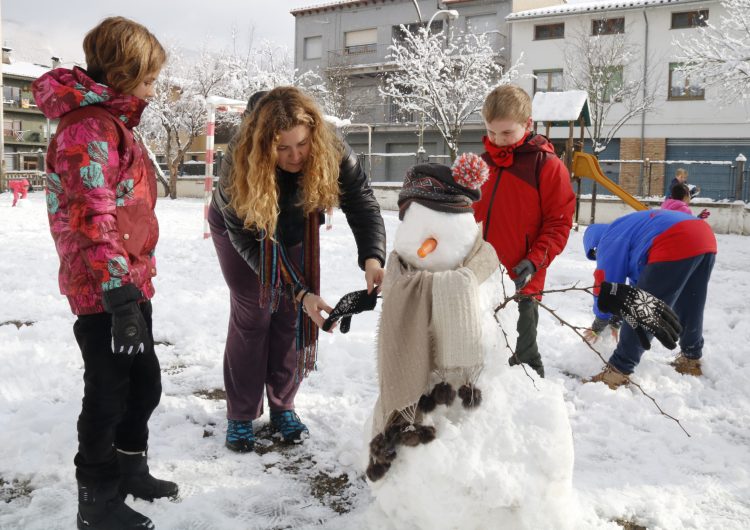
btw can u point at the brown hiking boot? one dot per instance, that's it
(687, 366)
(611, 377)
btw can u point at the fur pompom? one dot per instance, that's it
(376, 471)
(470, 171)
(443, 394)
(410, 436)
(426, 433)
(382, 449)
(427, 403)
(470, 395)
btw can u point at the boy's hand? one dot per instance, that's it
(374, 274)
(523, 271)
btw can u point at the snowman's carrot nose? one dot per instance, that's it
(427, 247)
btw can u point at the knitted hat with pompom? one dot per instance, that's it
(443, 188)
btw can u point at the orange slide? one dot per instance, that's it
(587, 166)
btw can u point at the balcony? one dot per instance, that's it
(365, 55)
(22, 136)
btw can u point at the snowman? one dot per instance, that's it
(458, 438)
(430, 333)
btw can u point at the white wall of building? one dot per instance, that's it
(649, 25)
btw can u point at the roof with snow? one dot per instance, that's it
(330, 6)
(593, 7)
(560, 108)
(30, 70)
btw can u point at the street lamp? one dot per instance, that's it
(452, 14)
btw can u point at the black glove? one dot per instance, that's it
(523, 271)
(129, 331)
(644, 312)
(351, 304)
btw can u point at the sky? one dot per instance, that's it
(39, 29)
(535, 455)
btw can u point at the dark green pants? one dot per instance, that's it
(527, 352)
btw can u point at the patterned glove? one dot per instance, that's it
(129, 330)
(644, 312)
(523, 271)
(704, 214)
(351, 304)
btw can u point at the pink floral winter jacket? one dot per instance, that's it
(101, 189)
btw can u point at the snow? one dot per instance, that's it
(630, 462)
(569, 8)
(558, 106)
(23, 69)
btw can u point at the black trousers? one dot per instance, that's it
(527, 351)
(119, 394)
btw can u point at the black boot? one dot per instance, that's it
(138, 482)
(100, 507)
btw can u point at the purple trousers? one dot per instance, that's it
(260, 351)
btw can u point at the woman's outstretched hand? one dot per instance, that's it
(313, 305)
(374, 274)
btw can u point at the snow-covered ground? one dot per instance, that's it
(631, 463)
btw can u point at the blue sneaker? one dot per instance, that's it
(289, 425)
(240, 436)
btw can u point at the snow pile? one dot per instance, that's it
(509, 461)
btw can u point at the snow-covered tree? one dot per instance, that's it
(331, 89)
(601, 65)
(177, 114)
(443, 78)
(719, 54)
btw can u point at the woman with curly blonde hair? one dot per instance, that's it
(282, 170)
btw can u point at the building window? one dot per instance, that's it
(313, 47)
(548, 81)
(11, 95)
(689, 19)
(549, 31)
(399, 35)
(361, 41)
(608, 26)
(680, 85)
(609, 78)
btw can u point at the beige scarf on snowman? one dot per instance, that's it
(429, 324)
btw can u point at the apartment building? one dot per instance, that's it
(351, 38)
(25, 128)
(686, 122)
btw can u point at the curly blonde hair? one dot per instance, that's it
(254, 191)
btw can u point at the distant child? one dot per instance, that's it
(101, 193)
(680, 177)
(527, 206)
(19, 188)
(679, 199)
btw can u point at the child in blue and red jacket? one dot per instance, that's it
(668, 254)
(526, 207)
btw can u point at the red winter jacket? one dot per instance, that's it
(527, 208)
(101, 189)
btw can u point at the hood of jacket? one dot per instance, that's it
(591, 238)
(62, 90)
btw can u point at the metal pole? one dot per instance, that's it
(740, 176)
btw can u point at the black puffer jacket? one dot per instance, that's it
(356, 200)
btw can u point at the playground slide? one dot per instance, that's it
(587, 166)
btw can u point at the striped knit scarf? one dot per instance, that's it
(280, 275)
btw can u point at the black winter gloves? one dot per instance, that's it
(523, 271)
(351, 304)
(644, 312)
(129, 331)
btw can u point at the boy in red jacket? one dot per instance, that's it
(526, 207)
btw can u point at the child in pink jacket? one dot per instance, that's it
(18, 187)
(678, 200)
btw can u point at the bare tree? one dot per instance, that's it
(719, 54)
(602, 66)
(443, 77)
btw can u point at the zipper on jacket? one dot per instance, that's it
(492, 200)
